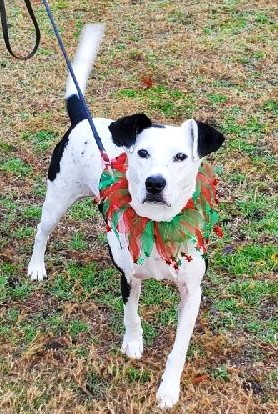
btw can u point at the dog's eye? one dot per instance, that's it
(143, 153)
(180, 156)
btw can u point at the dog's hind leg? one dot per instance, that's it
(55, 205)
(133, 339)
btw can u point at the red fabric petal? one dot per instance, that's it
(120, 163)
(133, 226)
(189, 204)
(120, 184)
(218, 231)
(163, 249)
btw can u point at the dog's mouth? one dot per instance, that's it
(155, 199)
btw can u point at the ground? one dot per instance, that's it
(60, 340)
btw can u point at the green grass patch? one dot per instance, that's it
(248, 260)
(41, 140)
(62, 288)
(157, 293)
(24, 232)
(169, 316)
(29, 332)
(82, 282)
(271, 106)
(150, 332)
(32, 212)
(6, 147)
(217, 99)
(169, 102)
(77, 327)
(221, 373)
(229, 305)
(78, 242)
(253, 292)
(39, 187)
(12, 288)
(16, 166)
(138, 375)
(242, 129)
(83, 210)
(264, 330)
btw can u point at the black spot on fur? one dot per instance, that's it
(209, 139)
(54, 167)
(125, 130)
(100, 209)
(76, 110)
(125, 287)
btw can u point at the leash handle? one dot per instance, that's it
(100, 146)
(5, 29)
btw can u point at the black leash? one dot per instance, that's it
(5, 29)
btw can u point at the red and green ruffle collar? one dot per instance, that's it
(193, 224)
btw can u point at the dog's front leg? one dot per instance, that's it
(190, 291)
(133, 340)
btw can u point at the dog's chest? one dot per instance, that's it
(155, 267)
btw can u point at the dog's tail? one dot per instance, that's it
(82, 64)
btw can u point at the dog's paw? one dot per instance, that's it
(37, 271)
(132, 348)
(167, 394)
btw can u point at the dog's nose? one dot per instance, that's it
(155, 184)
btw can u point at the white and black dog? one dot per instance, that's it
(163, 163)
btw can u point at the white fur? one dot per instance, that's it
(80, 170)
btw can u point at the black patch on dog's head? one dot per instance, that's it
(125, 130)
(209, 139)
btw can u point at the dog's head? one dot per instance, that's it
(163, 162)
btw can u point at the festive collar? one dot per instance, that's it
(193, 224)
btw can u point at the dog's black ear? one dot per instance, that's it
(125, 130)
(209, 139)
(205, 139)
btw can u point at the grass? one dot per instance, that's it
(41, 140)
(170, 103)
(16, 167)
(60, 340)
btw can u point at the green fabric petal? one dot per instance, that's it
(148, 239)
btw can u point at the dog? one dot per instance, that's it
(162, 166)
